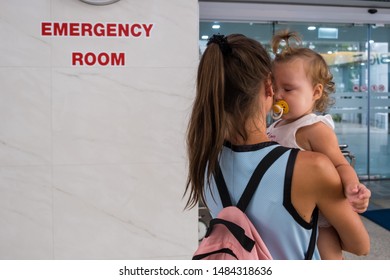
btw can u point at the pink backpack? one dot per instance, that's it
(232, 236)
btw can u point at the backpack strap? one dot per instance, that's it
(239, 233)
(253, 183)
(222, 188)
(258, 174)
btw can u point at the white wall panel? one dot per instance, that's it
(92, 158)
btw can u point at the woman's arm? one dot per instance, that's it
(316, 181)
(321, 138)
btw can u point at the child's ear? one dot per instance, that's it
(318, 91)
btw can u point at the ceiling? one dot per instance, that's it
(338, 3)
(261, 21)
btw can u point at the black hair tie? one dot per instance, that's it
(222, 42)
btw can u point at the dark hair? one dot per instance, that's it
(228, 83)
(286, 45)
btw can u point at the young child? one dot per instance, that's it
(302, 84)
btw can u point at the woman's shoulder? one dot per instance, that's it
(316, 168)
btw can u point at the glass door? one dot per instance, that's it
(358, 56)
(379, 97)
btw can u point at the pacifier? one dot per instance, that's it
(279, 109)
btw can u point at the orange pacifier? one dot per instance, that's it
(279, 109)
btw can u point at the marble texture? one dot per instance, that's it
(25, 116)
(101, 113)
(26, 212)
(103, 206)
(21, 44)
(92, 158)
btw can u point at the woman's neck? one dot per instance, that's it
(255, 134)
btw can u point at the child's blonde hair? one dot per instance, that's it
(286, 45)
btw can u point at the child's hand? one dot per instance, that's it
(358, 196)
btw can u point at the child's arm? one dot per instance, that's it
(321, 138)
(357, 194)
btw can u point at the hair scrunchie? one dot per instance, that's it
(222, 42)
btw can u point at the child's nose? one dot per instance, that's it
(277, 95)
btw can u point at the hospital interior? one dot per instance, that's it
(92, 151)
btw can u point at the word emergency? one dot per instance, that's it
(86, 29)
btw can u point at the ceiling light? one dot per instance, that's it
(216, 26)
(328, 33)
(311, 28)
(205, 37)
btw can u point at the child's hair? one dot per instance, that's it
(231, 72)
(286, 47)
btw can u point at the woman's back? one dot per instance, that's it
(284, 232)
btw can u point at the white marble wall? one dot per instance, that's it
(92, 159)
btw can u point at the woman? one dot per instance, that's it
(228, 126)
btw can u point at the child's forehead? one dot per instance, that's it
(297, 69)
(292, 65)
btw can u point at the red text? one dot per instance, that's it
(101, 59)
(84, 29)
